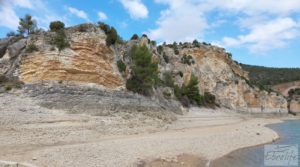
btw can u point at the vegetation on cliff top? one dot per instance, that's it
(267, 76)
(60, 40)
(27, 25)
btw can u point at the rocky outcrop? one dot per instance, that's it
(89, 61)
(295, 105)
(221, 76)
(94, 101)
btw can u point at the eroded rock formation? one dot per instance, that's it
(89, 60)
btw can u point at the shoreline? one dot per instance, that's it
(41, 136)
(191, 160)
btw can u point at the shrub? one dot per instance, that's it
(192, 91)
(159, 49)
(175, 47)
(56, 26)
(104, 27)
(229, 55)
(209, 99)
(31, 48)
(166, 58)
(180, 73)
(187, 60)
(168, 80)
(189, 94)
(8, 87)
(121, 66)
(196, 43)
(9, 84)
(134, 37)
(11, 34)
(112, 36)
(60, 40)
(153, 43)
(176, 51)
(82, 28)
(144, 74)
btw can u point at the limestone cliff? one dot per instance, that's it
(224, 78)
(89, 60)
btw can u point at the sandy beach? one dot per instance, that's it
(47, 138)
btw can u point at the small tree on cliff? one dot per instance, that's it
(27, 25)
(144, 72)
(56, 26)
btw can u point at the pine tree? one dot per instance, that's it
(144, 73)
(27, 25)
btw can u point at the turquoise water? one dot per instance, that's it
(289, 132)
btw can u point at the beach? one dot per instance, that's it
(45, 137)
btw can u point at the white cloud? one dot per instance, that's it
(9, 18)
(23, 3)
(39, 9)
(266, 35)
(78, 13)
(263, 25)
(102, 16)
(258, 6)
(182, 21)
(135, 8)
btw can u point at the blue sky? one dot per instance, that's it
(259, 32)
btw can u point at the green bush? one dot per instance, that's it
(175, 47)
(104, 27)
(159, 49)
(189, 94)
(60, 40)
(134, 37)
(121, 66)
(209, 99)
(8, 87)
(31, 48)
(112, 36)
(168, 80)
(144, 74)
(180, 73)
(56, 26)
(229, 55)
(192, 91)
(11, 83)
(196, 43)
(153, 43)
(187, 60)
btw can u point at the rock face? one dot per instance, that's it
(221, 76)
(295, 105)
(89, 60)
(94, 101)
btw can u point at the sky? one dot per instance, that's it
(257, 32)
